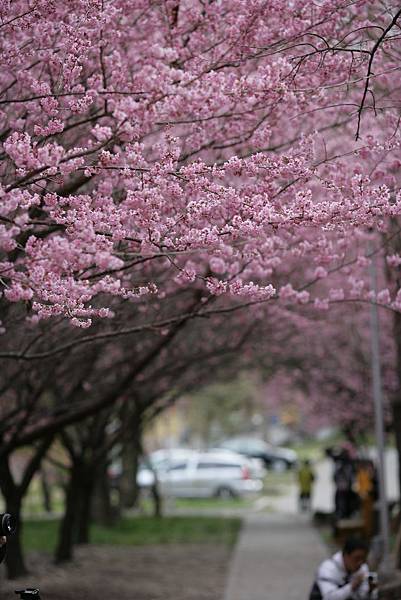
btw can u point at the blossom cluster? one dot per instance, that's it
(152, 147)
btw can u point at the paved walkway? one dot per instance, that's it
(275, 558)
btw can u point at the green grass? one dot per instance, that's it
(212, 503)
(42, 535)
(149, 530)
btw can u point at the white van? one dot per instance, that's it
(206, 474)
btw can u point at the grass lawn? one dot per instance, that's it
(213, 503)
(42, 534)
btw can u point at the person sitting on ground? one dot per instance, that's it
(344, 576)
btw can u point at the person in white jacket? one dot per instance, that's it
(345, 576)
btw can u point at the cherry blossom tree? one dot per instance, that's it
(87, 390)
(182, 143)
(329, 378)
(183, 368)
(207, 145)
(178, 160)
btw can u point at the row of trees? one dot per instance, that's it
(186, 186)
(91, 402)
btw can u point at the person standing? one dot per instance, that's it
(344, 475)
(306, 477)
(366, 487)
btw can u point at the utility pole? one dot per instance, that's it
(379, 420)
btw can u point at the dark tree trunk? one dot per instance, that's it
(157, 500)
(131, 454)
(68, 527)
(14, 495)
(15, 558)
(102, 509)
(85, 503)
(350, 433)
(46, 491)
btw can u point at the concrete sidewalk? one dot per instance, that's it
(275, 559)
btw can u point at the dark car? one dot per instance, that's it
(273, 457)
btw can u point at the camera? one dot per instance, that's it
(8, 524)
(28, 594)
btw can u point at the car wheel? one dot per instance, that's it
(279, 465)
(224, 493)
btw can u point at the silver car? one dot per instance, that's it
(207, 474)
(157, 463)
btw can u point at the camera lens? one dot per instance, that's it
(8, 524)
